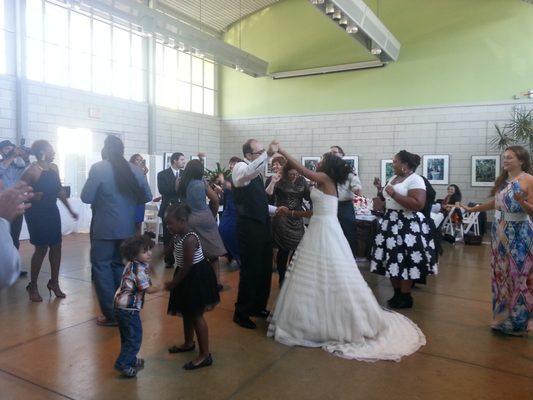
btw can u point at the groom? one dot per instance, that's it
(253, 234)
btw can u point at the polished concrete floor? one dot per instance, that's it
(54, 349)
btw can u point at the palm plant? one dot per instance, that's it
(518, 130)
(212, 175)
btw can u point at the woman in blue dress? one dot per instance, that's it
(43, 219)
(228, 222)
(140, 162)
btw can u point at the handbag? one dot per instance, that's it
(472, 239)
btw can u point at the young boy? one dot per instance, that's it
(129, 300)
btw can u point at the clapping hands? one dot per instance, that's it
(273, 148)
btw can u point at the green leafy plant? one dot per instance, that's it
(518, 130)
(212, 175)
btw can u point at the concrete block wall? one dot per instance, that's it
(50, 107)
(459, 131)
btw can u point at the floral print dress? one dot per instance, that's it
(404, 247)
(512, 265)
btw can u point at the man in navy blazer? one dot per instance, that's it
(166, 184)
(113, 189)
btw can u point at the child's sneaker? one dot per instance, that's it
(127, 372)
(139, 363)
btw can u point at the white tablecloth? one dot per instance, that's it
(68, 224)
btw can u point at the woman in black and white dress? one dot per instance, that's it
(404, 249)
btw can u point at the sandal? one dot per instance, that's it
(176, 349)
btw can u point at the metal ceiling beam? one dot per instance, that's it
(358, 21)
(154, 22)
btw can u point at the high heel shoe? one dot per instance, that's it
(33, 291)
(54, 287)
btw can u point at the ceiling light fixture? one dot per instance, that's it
(352, 29)
(358, 20)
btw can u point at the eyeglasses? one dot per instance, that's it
(258, 152)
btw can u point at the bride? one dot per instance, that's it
(324, 301)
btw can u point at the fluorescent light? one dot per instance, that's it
(330, 8)
(343, 21)
(337, 14)
(376, 51)
(327, 70)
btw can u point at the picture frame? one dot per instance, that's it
(353, 161)
(485, 170)
(268, 169)
(203, 159)
(436, 168)
(386, 171)
(310, 162)
(166, 160)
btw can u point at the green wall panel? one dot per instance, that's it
(453, 52)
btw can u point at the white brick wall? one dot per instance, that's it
(460, 131)
(50, 107)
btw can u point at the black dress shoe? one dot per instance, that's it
(405, 300)
(176, 349)
(261, 314)
(243, 321)
(205, 363)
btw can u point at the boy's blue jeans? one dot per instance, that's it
(131, 333)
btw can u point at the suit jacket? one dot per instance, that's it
(166, 184)
(113, 212)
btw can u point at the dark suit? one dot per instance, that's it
(166, 184)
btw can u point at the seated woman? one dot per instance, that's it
(453, 197)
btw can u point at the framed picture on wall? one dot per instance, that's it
(386, 171)
(353, 161)
(268, 168)
(310, 162)
(203, 159)
(166, 160)
(485, 169)
(436, 167)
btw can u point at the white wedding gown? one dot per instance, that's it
(325, 302)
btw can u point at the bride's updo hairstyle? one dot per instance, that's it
(410, 159)
(334, 167)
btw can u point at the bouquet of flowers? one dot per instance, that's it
(362, 205)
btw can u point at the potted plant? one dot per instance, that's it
(518, 130)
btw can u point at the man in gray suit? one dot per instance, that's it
(113, 189)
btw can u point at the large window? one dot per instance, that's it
(69, 48)
(3, 51)
(184, 81)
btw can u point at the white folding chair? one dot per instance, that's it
(470, 221)
(151, 219)
(447, 224)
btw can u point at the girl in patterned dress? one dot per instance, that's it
(193, 289)
(512, 244)
(404, 249)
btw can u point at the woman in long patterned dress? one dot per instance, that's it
(288, 227)
(512, 244)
